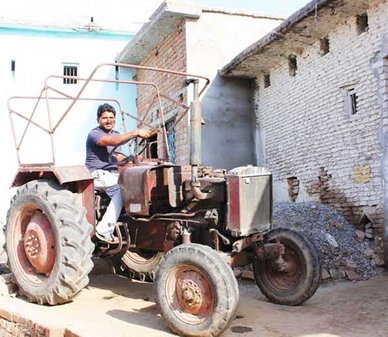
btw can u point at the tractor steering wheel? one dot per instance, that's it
(136, 146)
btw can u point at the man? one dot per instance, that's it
(99, 143)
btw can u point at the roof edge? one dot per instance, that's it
(310, 8)
(255, 15)
(162, 22)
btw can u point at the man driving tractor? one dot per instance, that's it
(99, 143)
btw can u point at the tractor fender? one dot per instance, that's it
(80, 175)
(62, 174)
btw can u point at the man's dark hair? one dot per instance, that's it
(105, 107)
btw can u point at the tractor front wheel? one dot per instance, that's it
(196, 291)
(48, 243)
(294, 277)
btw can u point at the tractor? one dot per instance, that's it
(183, 227)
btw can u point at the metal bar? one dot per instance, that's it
(139, 120)
(149, 108)
(50, 126)
(77, 97)
(164, 131)
(29, 120)
(32, 122)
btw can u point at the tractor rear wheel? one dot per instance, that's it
(196, 291)
(140, 263)
(48, 243)
(295, 278)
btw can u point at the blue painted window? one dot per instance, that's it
(171, 139)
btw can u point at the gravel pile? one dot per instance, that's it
(341, 254)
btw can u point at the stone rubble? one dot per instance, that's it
(344, 252)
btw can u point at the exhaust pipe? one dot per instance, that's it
(196, 141)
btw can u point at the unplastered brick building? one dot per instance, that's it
(191, 38)
(320, 84)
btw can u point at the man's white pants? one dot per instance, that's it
(107, 181)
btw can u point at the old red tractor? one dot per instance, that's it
(183, 226)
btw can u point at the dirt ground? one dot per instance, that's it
(115, 306)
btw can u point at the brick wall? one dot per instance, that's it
(309, 134)
(16, 326)
(170, 54)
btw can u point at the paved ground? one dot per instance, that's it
(115, 306)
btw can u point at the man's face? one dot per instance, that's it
(107, 121)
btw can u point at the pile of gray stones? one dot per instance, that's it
(344, 254)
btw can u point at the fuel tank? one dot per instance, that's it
(147, 190)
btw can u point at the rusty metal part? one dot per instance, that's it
(186, 236)
(224, 239)
(39, 244)
(196, 127)
(216, 241)
(147, 190)
(240, 259)
(212, 215)
(86, 189)
(241, 244)
(63, 174)
(196, 141)
(120, 246)
(268, 251)
(246, 242)
(31, 253)
(174, 231)
(284, 271)
(242, 256)
(198, 194)
(190, 293)
(170, 217)
(148, 235)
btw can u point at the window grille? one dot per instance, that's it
(352, 101)
(70, 70)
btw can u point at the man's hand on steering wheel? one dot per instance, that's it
(143, 133)
(141, 142)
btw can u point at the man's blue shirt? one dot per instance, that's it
(97, 156)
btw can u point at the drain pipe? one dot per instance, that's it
(195, 141)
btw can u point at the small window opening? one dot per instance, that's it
(267, 81)
(352, 101)
(362, 23)
(181, 97)
(13, 65)
(292, 65)
(325, 45)
(70, 70)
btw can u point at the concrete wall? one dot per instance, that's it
(315, 148)
(41, 52)
(212, 41)
(202, 46)
(227, 135)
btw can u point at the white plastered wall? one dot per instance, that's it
(37, 55)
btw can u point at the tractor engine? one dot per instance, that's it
(239, 201)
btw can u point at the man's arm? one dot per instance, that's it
(112, 141)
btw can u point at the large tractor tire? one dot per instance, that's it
(140, 264)
(196, 291)
(48, 243)
(297, 278)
